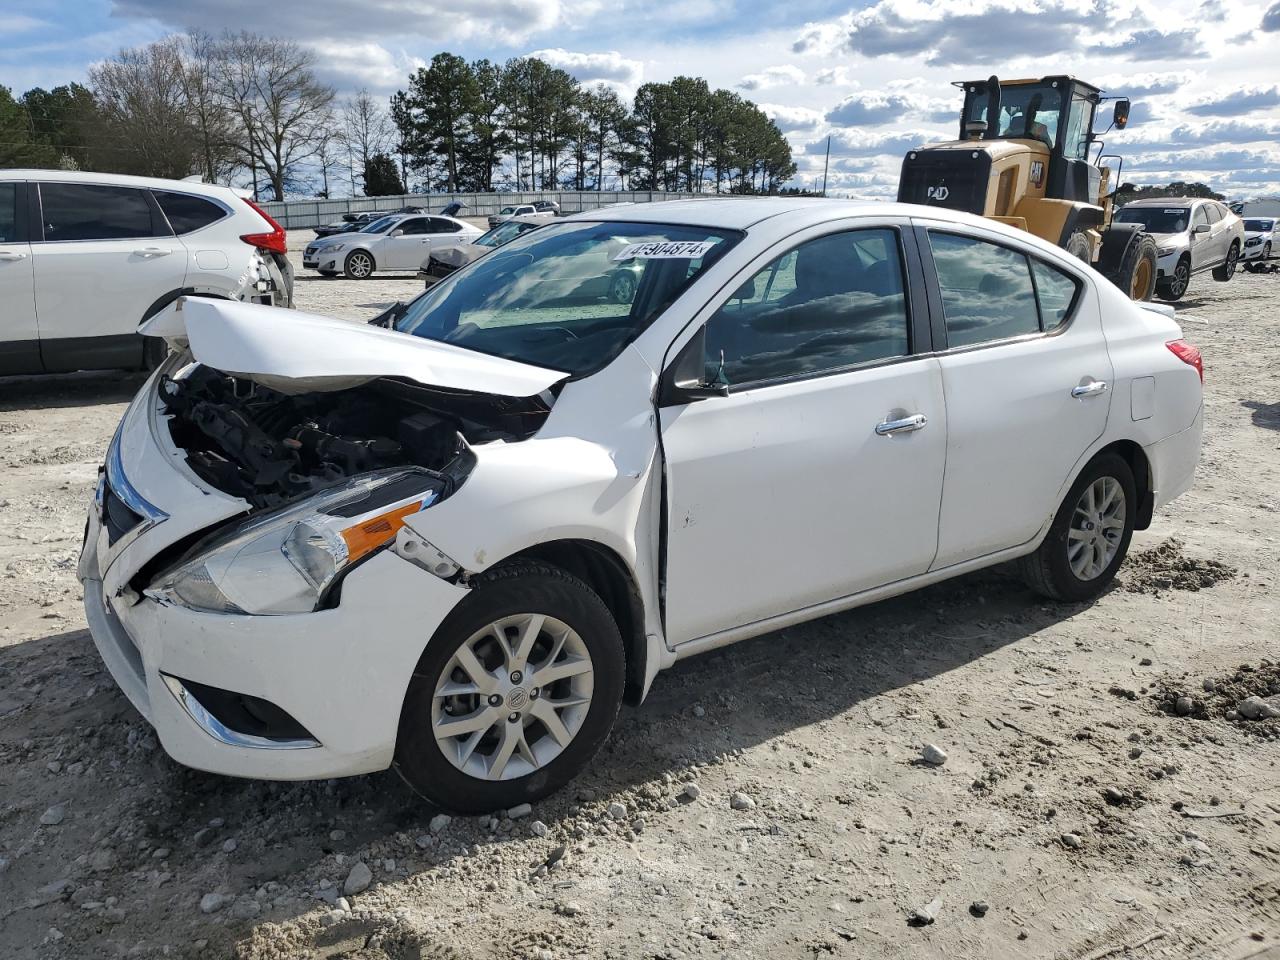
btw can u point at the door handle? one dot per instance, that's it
(149, 252)
(1096, 388)
(12, 255)
(888, 428)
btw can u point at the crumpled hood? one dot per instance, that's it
(460, 255)
(295, 352)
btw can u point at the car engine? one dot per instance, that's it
(271, 448)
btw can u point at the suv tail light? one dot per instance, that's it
(275, 241)
(1188, 354)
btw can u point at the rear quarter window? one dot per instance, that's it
(187, 213)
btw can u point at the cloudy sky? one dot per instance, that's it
(1204, 75)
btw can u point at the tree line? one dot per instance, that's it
(253, 108)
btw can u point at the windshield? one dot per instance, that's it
(1157, 219)
(568, 297)
(506, 210)
(1259, 226)
(502, 233)
(380, 226)
(1030, 110)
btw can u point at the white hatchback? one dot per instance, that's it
(399, 241)
(86, 257)
(456, 545)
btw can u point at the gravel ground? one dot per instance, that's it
(964, 772)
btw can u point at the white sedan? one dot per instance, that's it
(401, 241)
(457, 545)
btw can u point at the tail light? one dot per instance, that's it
(275, 241)
(1188, 354)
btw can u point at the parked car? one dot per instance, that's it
(454, 547)
(399, 241)
(1191, 236)
(85, 257)
(1259, 232)
(349, 222)
(441, 263)
(544, 210)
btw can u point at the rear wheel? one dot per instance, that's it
(359, 265)
(515, 693)
(1089, 536)
(1172, 288)
(1227, 270)
(1078, 246)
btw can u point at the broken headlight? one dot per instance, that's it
(284, 561)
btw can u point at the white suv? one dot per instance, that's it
(86, 257)
(1191, 236)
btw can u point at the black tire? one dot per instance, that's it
(1048, 571)
(1134, 270)
(1172, 288)
(522, 587)
(354, 266)
(154, 352)
(1078, 246)
(1225, 271)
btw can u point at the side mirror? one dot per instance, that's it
(1200, 228)
(685, 380)
(1120, 118)
(396, 233)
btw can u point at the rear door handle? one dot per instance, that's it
(153, 252)
(888, 428)
(1093, 389)
(12, 255)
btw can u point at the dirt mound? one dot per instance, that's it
(1221, 698)
(1167, 567)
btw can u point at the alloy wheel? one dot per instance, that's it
(1181, 273)
(1097, 527)
(1233, 257)
(360, 265)
(512, 697)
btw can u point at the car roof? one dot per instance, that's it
(122, 180)
(740, 213)
(1167, 202)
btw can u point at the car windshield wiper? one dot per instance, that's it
(388, 317)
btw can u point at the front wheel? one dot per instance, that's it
(358, 265)
(1089, 536)
(1173, 287)
(515, 693)
(1227, 270)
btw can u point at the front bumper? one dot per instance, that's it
(1252, 252)
(321, 260)
(341, 673)
(1166, 262)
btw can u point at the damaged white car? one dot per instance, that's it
(458, 544)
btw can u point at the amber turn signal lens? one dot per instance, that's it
(371, 533)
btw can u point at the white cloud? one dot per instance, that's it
(792, 119)
(832, 76)
(609, 67)
(18, 23)
(772, 77)
(351, 66)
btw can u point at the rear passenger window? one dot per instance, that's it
(8, 212)
(81, 211)
(187, 213)
(831, 303)
(1056, 293)
(987, 292)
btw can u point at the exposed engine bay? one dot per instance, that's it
(270, 448)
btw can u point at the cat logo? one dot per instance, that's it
(1037, 173)
(939, 193)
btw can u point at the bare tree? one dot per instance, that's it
(283, 111)
(213, 121)
(366, 130)
(142, 95)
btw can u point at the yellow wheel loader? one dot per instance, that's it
(1026, 157)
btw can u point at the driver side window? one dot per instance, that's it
(829, 304)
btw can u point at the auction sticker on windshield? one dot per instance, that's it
(668, 250)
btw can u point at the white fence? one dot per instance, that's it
(312, 213)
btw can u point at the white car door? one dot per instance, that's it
(1027, 378)
(1203, 253)
(406, 246)
(817, 473)
(445, 234)
(19, 335)
(103, 255)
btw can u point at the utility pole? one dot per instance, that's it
(825, 164)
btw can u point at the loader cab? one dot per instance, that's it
(1057, 112)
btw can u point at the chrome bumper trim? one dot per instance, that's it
(216, 729)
